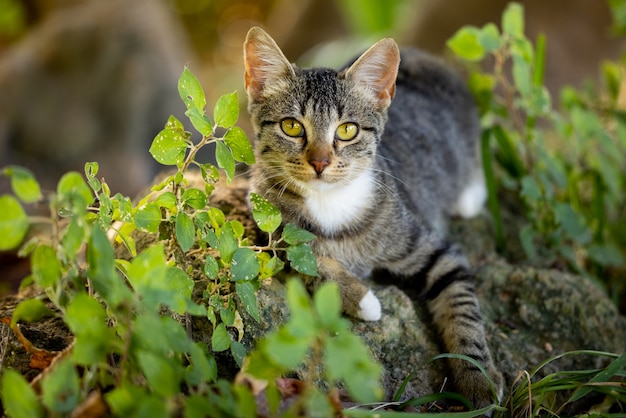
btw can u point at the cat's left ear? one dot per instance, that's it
(377, 70)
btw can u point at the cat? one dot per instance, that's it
(373, 159)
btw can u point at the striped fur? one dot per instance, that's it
(379, 200)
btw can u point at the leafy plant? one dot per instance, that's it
(567, 165)
(114, 306)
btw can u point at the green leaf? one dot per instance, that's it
(226, 110)
(227, 315)
(157, 283)
(522, 75)
(148, 218)
(244, 265)
(30, 310)
(240, 145)
(294, 235)
(285, 349)
(45, 266)
(211, 268)
(302, 259)
(220, 340)
(169, 147)
(61, 388)
(203, 367)
(225, 159)
(466, 43)
(238, 351)
(195, 198)
(18, 398)
(72, 184)
(174, 123)
(101, 261)
(24, 184)
(94, 339)
(247, 295)
(191, 91)
(200, 121)
(327, 302)
(227, 243)
(349, 360)
(166, 200)
(217, 218)
(489, 37)
(91, 170)
(185, 231)
(513, 20)
(270, 266)
(13, 223)
(266, 215)
(161, 373)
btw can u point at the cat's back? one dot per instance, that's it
(430, 139)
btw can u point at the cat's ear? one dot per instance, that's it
(264, 61)
(377, 70)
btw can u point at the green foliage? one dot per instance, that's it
(534, 396)
(318, 334)
(566, 165)
(114, 307)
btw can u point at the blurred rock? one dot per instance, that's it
(92, 81)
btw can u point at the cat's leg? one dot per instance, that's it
(451, 300)
(358, 300)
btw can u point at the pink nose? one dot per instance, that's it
(319, 165)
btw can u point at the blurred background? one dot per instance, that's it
(95, 80)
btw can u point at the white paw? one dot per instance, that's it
(472, 199)
(370, 307)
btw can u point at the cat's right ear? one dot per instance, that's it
(264, 61)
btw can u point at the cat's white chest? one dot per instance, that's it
(333, 207)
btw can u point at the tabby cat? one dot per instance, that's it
(372, 160)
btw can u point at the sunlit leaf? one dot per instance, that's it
(169, 147)
(18, 397)
(466, 43)
(266, 215)
(13, 223)
(45, 266)
(72, 184)
(24, 184)
(148, 218)
(240, 145)
(191, 91)
(226, 110)
(225, 159)
(513, 19)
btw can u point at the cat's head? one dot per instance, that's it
(317, 126)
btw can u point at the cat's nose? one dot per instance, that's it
(319, 165)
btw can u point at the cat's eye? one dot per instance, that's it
(347, 131)
(292, 127)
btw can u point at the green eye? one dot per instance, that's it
(347, 131)
(292, 127)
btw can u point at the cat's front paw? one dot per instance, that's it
(369, 307)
